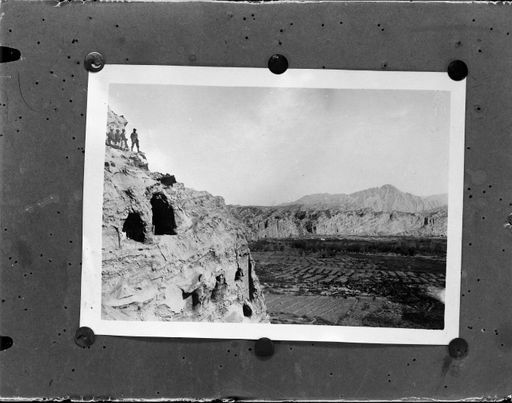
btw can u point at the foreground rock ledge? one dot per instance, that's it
(171, 253)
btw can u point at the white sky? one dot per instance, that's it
(265, 146)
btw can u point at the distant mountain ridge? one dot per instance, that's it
(386, 198)
(376, 211)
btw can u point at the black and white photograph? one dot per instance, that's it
(234, 203)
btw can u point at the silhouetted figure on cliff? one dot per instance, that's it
(110, 136)
(124, 140)
(135, 139)
(117, 137)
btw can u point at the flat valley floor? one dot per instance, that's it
(374, 282)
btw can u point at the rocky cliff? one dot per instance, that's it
(296, 221)
(376, 211)
(115, 121)
(171, 253)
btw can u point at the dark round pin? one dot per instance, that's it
(5, 342)
(457, 70)
(458, 348)
(84, 337)
(264, 347)
(8, 54)
(94, 62)
(277, 64)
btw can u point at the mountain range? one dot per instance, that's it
(380, 211)
(384, 198)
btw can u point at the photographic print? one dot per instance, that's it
(233, 203)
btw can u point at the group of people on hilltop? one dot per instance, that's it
(118, 138)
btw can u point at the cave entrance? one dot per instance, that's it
(134, 227)
(163, 215)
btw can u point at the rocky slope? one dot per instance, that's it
(384, 198)
(171, 253)
(376, 211)
(296, 221)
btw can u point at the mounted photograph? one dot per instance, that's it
(319, 205)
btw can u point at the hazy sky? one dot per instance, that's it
(265, 146)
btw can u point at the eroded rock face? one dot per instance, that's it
(115, 121)
(172, 253)
(294, 221)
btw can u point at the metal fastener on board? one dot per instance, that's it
(457, 70)
(277, 64)
(458, 348)
(94, 62)
(264, 347)
(84, 336)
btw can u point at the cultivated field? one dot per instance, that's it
(306, 282)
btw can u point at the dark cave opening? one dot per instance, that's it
(239, 274)
(134, 227)
(163, 215)
(247, 311)
(195, 297)
(220, 287)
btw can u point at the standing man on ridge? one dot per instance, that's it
(117, 137)
(124, 140)
(110, 136)
(134, 137)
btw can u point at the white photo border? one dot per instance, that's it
(97, 104)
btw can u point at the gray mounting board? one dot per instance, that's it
(42, 128)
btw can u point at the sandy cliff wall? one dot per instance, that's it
(172, 253)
